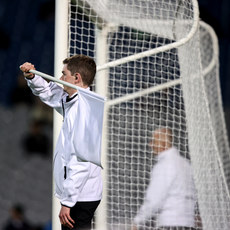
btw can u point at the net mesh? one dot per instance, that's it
(177, 88)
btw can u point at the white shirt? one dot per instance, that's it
(82, 180)
(170, 195)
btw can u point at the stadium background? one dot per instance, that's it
(27, 34)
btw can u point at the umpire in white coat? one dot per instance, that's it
(78, 185)
(170, 196)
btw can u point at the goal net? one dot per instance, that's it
(158, 67)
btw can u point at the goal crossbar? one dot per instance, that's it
(122, 61)
(164, 48)
(148, 53)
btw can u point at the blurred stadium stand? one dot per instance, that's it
(30, 32)
(27, 34)
(25, 179)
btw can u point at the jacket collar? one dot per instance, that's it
(165, 153)
(73, 97)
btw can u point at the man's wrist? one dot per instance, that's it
(65, 205)
(30, 77)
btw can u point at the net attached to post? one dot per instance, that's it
(160, 69)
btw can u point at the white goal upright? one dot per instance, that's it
(157, 65)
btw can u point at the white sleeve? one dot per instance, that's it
(76, 176)
(161, 180)
(50, 93)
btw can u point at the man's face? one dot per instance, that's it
(68, 77)
(158, 142)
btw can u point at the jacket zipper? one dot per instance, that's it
(63, 109)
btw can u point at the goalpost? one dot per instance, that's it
(61, 52)
(157, 66)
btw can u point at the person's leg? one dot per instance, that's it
(82, 213)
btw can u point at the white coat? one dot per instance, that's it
(74, 180)
(170, 196)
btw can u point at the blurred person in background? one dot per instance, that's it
(36, 141)
(170, 196)
(17, 219)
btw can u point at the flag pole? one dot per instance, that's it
(51, 78)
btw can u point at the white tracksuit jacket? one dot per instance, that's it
(74, 180)
(171, 194)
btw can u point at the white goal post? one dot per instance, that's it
(60, 53)
(157, 64)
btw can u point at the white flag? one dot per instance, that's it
(87, 135)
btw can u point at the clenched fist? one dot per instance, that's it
(25, 68)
